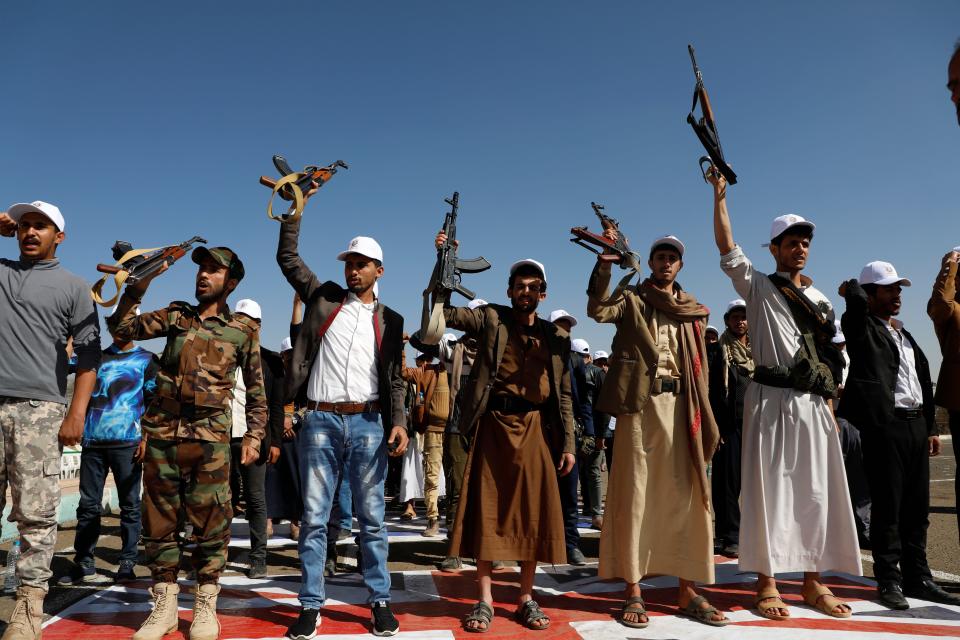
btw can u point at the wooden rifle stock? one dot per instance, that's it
(107, 268)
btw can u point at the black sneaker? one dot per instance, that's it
(125, 572)
(306, 625)
(258, 569)
(384, 622)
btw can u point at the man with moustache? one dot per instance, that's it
(731, 367)
(657, 517)
(889, 397)
(519, 388)
(42, 306)
(790, 442)
(187, 431)
(346, 368)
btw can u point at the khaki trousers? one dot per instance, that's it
(432, 468)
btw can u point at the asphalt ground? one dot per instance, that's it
(943, 549)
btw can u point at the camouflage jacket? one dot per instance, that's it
(197, 370)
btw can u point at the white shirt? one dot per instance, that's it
(345, 369)
(907, 394)
(239, 407)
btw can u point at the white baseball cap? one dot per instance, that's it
(476, 302)
(559, 314)
(672, 241)
(250, 308)
(579, 345)
(52, 212)
(734, 304)
(286, 345)
(710, 327)
(364, 246)
(599, 355)
(788, 221)
(838, 337)
(882, 273)
(533, 263)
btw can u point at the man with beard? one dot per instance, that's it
(346, 361)
(796, 513)
(731, 367)
(953, 79)
(889, 397)
(658, 498)
(519, 388)
(187, 430)
(42, 306)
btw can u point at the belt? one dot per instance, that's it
(511, 404)
(189, 411)
(344, 408)
(665, 384)
(908, 414)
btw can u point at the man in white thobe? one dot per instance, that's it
(796, 513)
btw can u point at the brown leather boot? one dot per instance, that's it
(163, 619)
(27, 615)
(205, 625)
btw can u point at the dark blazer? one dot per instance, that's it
(322, 299)
(867, 399)
(492, 323)
(272, 367)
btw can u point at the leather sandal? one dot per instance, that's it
(824, 601)
(482, 613)
(636, 606)
(529, 614)
(765, 609)
(702, 614)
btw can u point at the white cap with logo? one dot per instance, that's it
(52, 212)
(735, 304)
(250, 308)
(788, 221)
(600, 355)
(533, 263)
(476, 302)
(560, 314)
(882, 273)
(670, 241)
(364, 246)
(579, 345)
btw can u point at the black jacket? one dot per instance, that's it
(272, 367)
(867, 399)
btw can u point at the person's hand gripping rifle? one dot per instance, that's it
(446, 276)
(297, 186)
(137, 267)
(613, 246)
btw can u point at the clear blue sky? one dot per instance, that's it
(151, 122)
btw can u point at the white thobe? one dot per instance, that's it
(795, 504)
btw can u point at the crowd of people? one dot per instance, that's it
(787, 440)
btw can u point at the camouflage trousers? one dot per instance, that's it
(188, 478)
(30, 467)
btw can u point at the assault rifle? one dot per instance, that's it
(446, 277)
(706, 129)
(136, 265)
(292, 184)
(618, 251)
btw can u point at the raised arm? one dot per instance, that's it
(601, 305)
(295, 270)
(943, 305)
(722, 232)
(854, 319)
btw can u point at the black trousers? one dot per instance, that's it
(897, 461)
(252, 482)
(568, 503)
(725, 486)
(955, 433)
(851, 443)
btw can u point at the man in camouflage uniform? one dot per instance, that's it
(187, 428)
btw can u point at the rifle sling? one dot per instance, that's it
(118, 278)
(296, 209)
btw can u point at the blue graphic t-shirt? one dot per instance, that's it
(125, 384)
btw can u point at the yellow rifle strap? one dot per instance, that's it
(118, 278)
(296, 209)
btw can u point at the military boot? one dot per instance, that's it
(27, 615)
(163, 619)
(205, 625)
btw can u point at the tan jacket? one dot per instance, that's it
(633, 354)
(491, 324)
(944, 310)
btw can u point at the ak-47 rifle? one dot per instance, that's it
(446, 277)
(292, 185)
(135, 265)
(706, 128)
(618, 251)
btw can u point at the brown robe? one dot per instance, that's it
(510, 507)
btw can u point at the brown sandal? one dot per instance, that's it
(824, 601)
(765, 609)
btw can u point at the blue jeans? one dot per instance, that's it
(328, 442)
(95, 463)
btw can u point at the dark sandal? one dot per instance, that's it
(694, 611)
(637, 606)
(482, 613)
(530, 613)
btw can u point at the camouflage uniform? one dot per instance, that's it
(187, 427)
(30, 466)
